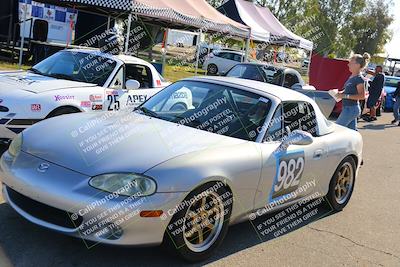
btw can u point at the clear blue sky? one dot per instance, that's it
(393, 48)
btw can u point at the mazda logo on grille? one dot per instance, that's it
(43, 167)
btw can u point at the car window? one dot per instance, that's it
(118, 81)
(221, 54)
(215, 108)
(77, 66)
(299, 116)
(391, 82)
(275, 127)
(140, 73)
(237, 71)
(272, 75)
(237, 57)
(290, 80)
(250, 72)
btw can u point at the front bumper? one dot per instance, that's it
(61, 200)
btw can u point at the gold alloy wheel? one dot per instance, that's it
(203, 222)
(345, 183)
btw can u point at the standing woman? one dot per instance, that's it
(353, 92)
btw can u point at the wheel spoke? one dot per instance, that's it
(200, 235)
(203, 203)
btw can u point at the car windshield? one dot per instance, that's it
(76, 66)
(210, 107)
(391, 82)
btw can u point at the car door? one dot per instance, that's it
(118, 96)
(228, 62)
(293, 173)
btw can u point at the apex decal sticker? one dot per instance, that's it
(135, 99)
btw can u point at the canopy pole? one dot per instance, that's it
(309, 65)
(198, 50)
(246, 54)
(165, 47)
(21, 51)
(128, 33)
(284, 55)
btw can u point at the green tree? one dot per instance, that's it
(371, 29)
(216, 3)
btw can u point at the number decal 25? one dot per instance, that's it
(113, 103)
(289, 173)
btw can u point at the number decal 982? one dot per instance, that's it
(290, 169)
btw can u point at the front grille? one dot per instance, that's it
(42, 211)
(4, 109)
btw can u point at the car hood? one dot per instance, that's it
(108, 142)
(34, 83)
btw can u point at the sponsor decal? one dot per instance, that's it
(97, 107)
(36, 107)
(135, 99)
(112, 92)
(63, 97)
(86, 104)
(158, 83)
(96, 98)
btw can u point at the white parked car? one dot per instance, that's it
(73, 81)
(220, 61)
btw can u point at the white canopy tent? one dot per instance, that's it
(257, 17)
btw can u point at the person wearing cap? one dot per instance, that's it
(375, 91)
(396, 105)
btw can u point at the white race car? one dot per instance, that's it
(73, 81)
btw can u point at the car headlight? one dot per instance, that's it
(15, 146)
(125, 184)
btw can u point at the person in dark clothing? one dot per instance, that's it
(396, 105)
(375, 91)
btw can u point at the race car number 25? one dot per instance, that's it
(290, 169)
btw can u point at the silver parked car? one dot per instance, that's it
(153, 175)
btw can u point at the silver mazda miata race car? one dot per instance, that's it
(154, 175)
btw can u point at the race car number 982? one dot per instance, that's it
(290, 169)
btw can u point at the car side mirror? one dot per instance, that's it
(132, 85)
(297, 137)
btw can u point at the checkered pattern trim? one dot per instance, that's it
(125, 5)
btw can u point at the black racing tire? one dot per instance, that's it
(212, 69)
(341, 183)
(193, 217)
(62, 111)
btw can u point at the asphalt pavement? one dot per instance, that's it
(366, 233)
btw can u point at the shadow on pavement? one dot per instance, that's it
(25, 244)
